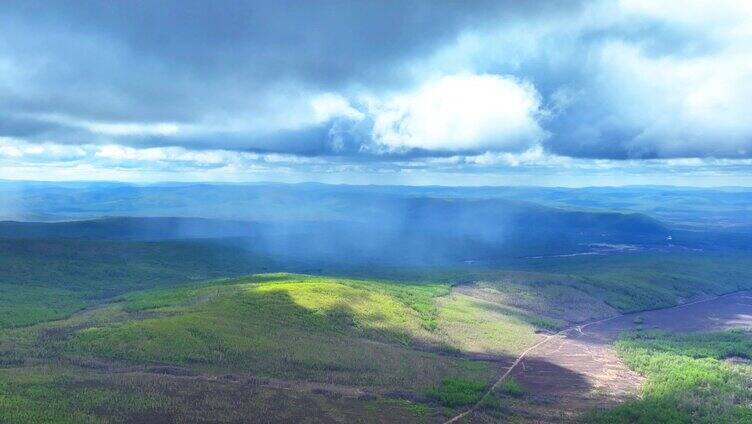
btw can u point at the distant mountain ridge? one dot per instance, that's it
(690, 208)
(394, 224)
(383, 228)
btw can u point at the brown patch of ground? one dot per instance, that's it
(719, 313)
(738, 360)
(551, 392)
(577, 369)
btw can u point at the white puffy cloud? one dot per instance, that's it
(708, 14)
(627, 78)
(694, 103)
(680, 106)
(533, 156)
(329, 105)
(132, 128)
(116, 152)
(16, 149)
(465, 112)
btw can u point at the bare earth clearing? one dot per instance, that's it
(576, 370)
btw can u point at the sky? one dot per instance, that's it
(565, 93)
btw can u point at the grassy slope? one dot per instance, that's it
(475, 325)
(365, 333)
(50, 395)
(373, 333)
(25, 305)
(553, 292)
(688, 380)
(102, 269)
(561, 298)
(586, 287)
(301, 327)
(60, 395)
(41, 280)
(635, 282)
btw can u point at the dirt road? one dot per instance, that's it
(577, 369)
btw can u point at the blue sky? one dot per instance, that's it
(412, 92)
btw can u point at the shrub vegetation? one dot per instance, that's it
(688, 379)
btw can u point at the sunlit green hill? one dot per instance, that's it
(290, 326)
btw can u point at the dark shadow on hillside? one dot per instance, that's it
(550, 393)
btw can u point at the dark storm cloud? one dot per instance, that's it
(176, 60)
(25, 127)
(327, 41)
(309, 141)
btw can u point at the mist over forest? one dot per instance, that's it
(385, 224)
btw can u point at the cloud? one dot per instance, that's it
(328, 106)
(173, 61)
(116, 162)
(460, 113)
(132, 128)
(690, 98)
(346, 85)
(627, 79)
(119, 153)
(679, 107)
(532, 156)
(15, 149)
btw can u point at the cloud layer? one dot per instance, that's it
(428, 85)
(461, 113)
